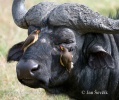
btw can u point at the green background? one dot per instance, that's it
(10, 34)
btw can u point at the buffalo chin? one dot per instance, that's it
(40, 84)
(33, 83)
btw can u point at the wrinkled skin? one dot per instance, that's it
(95, 58)
(48, 44)
(54, 78)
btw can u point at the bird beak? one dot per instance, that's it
(38, 31)
(61, 47)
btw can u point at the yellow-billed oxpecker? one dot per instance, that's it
(66, 58)
(32, 38)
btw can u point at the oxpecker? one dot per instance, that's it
(32, 38)
(66, 58)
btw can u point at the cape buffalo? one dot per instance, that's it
(92, 39)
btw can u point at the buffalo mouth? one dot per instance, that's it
(27, 81)
(33, 83)
(52, 86)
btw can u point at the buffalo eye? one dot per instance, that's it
(64, 42)
(71, 49)
(65, 37)
(67, 41)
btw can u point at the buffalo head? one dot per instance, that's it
(76, 28)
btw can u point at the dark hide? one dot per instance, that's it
(85, 33)
(95, 65)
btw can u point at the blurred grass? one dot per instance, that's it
(10, 34)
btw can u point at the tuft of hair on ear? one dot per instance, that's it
(15, 52)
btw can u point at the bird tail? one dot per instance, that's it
(72, 65)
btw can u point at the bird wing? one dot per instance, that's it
(64, 60)
(28, 42)
(61, 62)
(69, 56)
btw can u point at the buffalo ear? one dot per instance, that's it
(99, 58)
(15, 53)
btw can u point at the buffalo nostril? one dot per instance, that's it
(36, 68)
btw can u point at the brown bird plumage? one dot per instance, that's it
(32, 38)
(66, 58)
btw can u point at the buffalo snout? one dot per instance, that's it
(26, 69)
(27, 73)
